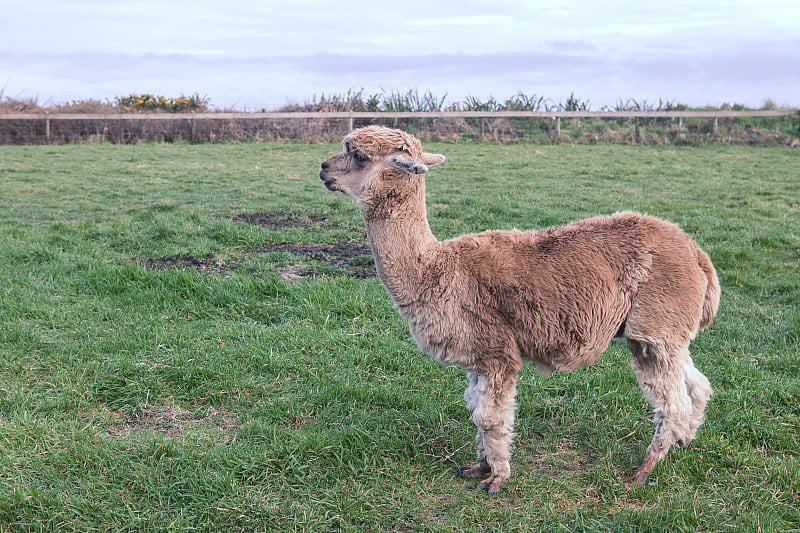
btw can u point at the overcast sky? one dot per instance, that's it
(250, 54)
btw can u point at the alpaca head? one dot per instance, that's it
(374, 158)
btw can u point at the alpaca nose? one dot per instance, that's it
(325, 165)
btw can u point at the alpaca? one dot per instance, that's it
(557, 297)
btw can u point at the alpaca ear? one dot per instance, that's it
(432, 159)
(409, 166)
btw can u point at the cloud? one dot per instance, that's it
(745, 74)
(252, 54)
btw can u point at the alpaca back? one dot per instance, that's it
(564, 293)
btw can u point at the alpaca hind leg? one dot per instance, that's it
(699, 390)
(660, 372)
(494, 417)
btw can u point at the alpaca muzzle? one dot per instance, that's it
(329, 180)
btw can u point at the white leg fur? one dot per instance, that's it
(699, 390)
(472, 399)
(493, 415)
(678, 393)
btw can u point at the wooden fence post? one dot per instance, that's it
(558, 128)
(47, 128)
(349, 123)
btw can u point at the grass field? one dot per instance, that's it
(191, 341)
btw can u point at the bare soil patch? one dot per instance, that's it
(565, 461)
(171, 421)
(353, 257)
(280, 220)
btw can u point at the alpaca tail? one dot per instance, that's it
(711, 301)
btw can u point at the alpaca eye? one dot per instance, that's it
(361, 157)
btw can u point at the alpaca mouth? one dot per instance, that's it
(328, 180)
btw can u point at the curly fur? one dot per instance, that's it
(557, 297)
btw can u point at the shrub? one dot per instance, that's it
(149, 102)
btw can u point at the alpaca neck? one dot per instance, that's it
(402, 243)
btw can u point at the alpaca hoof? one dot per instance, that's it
(492, 485)
(638, 478)
(475, 470)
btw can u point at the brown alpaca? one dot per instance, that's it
(490, 301)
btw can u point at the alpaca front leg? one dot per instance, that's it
(472, 399)
(481, 467)
(498, 457)
(494, 417)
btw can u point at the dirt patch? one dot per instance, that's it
(280, 220)
(353, 257)
(171, 422)
(560, 462)
(294, 272)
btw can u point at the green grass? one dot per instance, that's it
(135, 398)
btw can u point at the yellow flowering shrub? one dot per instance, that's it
(149, 102)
